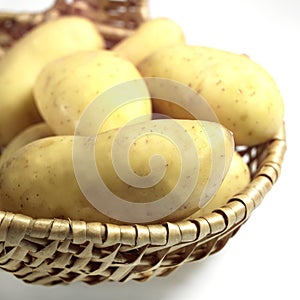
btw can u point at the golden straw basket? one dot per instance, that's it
(59, 251)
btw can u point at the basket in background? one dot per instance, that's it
(58, 251)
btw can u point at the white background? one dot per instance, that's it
(262, 260)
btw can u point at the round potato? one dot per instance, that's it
(22, 63)
(242, 93)
(28, 135)
(158, 170)
(67, 86)
(151, 36)
(236, 179)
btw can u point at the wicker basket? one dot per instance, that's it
(57, 251)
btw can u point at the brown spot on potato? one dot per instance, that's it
(243, 117)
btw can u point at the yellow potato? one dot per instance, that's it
(155, 170)
(243, 95)
(21, 64)
(67, 86)
(152, 35)
(28, 135)
(236, 179)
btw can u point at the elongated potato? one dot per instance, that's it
(243, 95)
(236, 179)
(155, 170)
(151, 36)
(28, 135)
(67, 86)
(21, 65)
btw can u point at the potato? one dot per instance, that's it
(243, 95)
(152, 35)
(21, 64)
(236, 179)
(65, 88)
(28, 135)
(154, 170)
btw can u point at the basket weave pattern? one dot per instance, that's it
(114, 19)
(56, 251)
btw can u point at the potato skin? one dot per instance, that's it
(22, 63)
(30, 134)
(67, 86)
(243, 95)
(236, 179)
(47, 187)
(152, 35)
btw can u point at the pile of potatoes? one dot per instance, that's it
(50, 77)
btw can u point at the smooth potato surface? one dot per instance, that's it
(236, 179)
(47, 186)
(26, 136)
(152, 35)
(242, 93)
(67, 86)
(21, 64)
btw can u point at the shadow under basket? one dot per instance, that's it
(58, 251)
